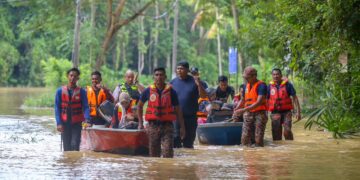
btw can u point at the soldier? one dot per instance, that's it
(253, 105)
(162, 110)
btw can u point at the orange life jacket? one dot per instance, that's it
(93, 101)
(200, 114)
(279, 99)
(71, 105)
(160, 109)
(251, 96)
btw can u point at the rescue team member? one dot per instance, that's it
(162, 110)
(281, 96)
(188, 89)
(71, 109)
(253, 107)
(97, 94)
(130, 86)
(124, 113)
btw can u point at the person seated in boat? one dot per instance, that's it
(224, 91)
(130, 86)
(125, 115)
(97, 94)
(205, 105)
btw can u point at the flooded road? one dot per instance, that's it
(30, 149)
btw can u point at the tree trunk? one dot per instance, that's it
(175, 37)
(114, 25)
(141, 45)
(76, 47)
(168, 55)
(237, 33)
(156, 36)
(218, 42)
(114, 55)
(92, 21)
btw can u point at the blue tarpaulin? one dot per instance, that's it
(233, 67)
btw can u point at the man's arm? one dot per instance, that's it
(297, 106)
(180, 118)
(140, 114)
(202, 92)
(109, 96)
(57, 108)
(85, 105)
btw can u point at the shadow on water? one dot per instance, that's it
(30, 149)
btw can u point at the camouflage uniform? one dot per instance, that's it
(161, 135)
(279, 119)
(257, 120)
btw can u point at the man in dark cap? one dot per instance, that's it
(189, 89)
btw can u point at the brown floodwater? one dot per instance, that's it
(30, 149)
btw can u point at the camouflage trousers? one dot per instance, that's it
(254, 126)
(161, 134)
(279, 120)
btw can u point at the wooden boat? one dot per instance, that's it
(119, 141)
(220, 133)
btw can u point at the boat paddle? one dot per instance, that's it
(61, 142)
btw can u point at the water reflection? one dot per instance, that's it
(12, 98)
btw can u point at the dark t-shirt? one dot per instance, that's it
(146, 94)
(188, 94)
(289, 88)
(224, 95)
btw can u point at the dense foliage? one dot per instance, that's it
(316, 42)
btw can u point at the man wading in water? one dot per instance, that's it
(281, 95)
(162, 110)
(253, 106)
(71, 109)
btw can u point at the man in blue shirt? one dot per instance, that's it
(188, 89)
(71, 109)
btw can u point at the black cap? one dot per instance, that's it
(194, 70)
(222, 78)
(184, 64)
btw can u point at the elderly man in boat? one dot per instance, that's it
(131, 86)
(125, 115)
(162, 110)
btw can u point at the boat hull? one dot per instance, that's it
(119, 141)
(220, 133)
